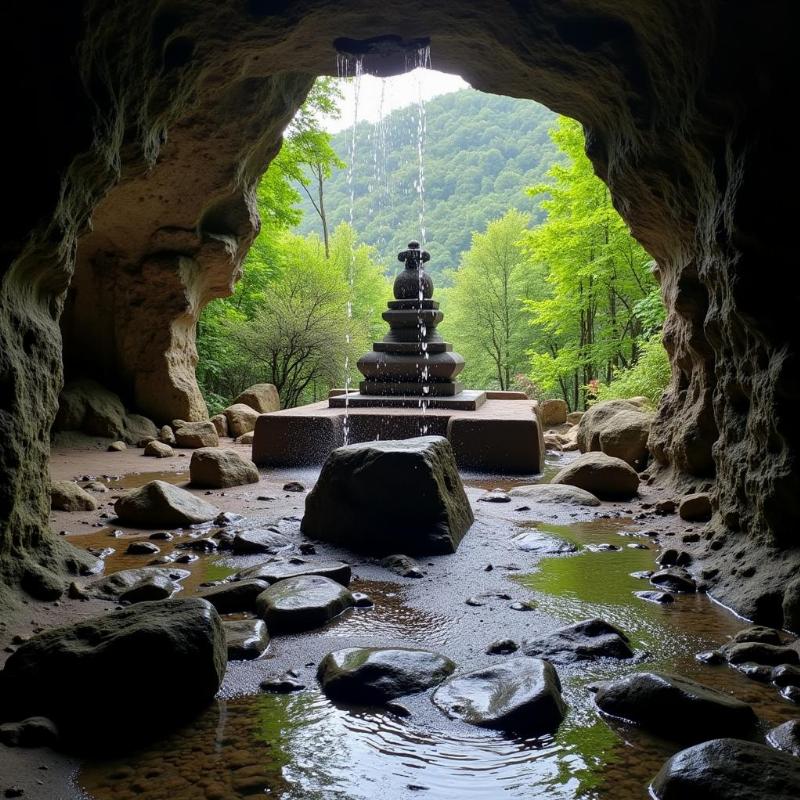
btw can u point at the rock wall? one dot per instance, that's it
(142, 129)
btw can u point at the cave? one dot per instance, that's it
(138, 133)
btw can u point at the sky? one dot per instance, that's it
(398, 91)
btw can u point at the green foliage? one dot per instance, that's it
(648, 377)
(480, 153)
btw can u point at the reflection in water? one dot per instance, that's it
(302, 746)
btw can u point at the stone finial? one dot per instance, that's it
(413, 256)
(411, 280)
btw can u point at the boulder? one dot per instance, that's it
(534, 541)
(117, 447)
(158, 449)
(82, 676)
(166, 436)
(214, 468)
(138, 427)
(674, 706)
(758, 633)
(220, 423)
(85, 405)
(155, 586)
(759, 653)
(625, 435)
(246, 438)
(113, 586)
(228, 598)
(246, 639)
(552, 412)
(786, 737)
(196, 434)
(241, 419)
(280, 569)
(390, 496)
(372, 675)
(728, 769)
(519, 695)
(676, 579)
(791, 606)
(263, 397)
(595, 419)
(302, 603)
(603, 476)
(695, 507)
(574, 417)
(159, 504)
(68, 496)
(259, 540)
(785, 675)
(555, 493)
(582, 641)
(30, 732)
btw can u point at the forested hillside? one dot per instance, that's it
(481, 151)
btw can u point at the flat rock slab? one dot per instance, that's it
(388, 496)
(87, 675)
(236, 596)
(372, 675)
(159, 504)
(559, 493)
(302, 603)
(258, 540)
(582, 641)
(279, 569)
(520, 695)
(604, 476)
(728, 769)
(674, 706)
(246, 639)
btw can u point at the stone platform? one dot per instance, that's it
(465, 400)
(502, 435)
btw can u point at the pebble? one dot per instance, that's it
(502, 647)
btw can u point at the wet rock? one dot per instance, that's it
(200, 545)
(605, 477)
(166, 436)
(755, 672)
(227, 518)
(786, 737)
(665, 507)
(114, 585)
(582, 641)
(117, 447)
(293, 486)
(785, 675)
(603, 548)
(213, 468)
(362, 600)
(280, 569)
(96, 486)
(158, 449)
(283, 685)
(519, 695)
(710, 657)
(674, 558)
(159, 504)
(495, 496)
(758, 633)
(196, 434)
(739, 652)
(674, 706)
(695, 507)
(376, 675)
(246, 639)
(502, 647)
(390, 496)
(675, 579)
(95, 657)
(142, 549)
(558, 493)
(791, 693)
(220, 423)
(402, 565)
(475, 601)
(522, 605)
(259, 540)
(642, 574)
(241, 419)
(236, 596)
(728, 769)
(186, 558)
(68, 496)
(533, 541)
(302, 603)
(662, 598)
(153, 587)
(30, 732)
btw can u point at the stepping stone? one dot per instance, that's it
(675, 579)
(674, 706)
(228, 598)
(739, 652)
(375, 675)
(520, 695)
(582, 641)
(302, 603)
(280, 569)
(662, 598)
(246, 639)
(259, 540)
(153, 587)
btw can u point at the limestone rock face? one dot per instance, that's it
(95, 657)
(159, 504)
(68, 496)
(241, 419)
(263, 397)
(674, 706)
(553, 412)
(672, 106)
(390, 496)
(213, 468)
(604, 476)
(369, 675)
(196, 434)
